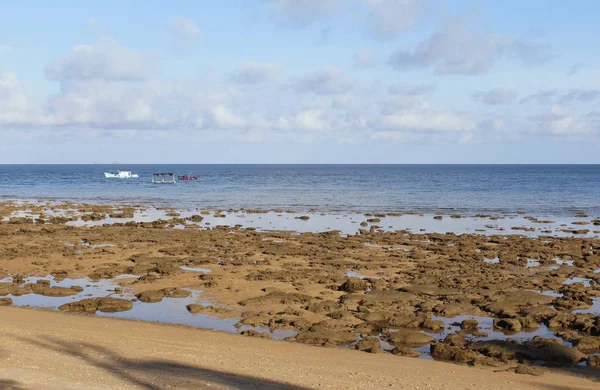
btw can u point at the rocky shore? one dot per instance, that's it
(496, 299)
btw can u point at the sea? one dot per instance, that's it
(538, 190)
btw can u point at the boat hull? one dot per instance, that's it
(121, 175)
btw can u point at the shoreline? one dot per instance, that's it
(314, 221)
(567, 213)
(55, 350)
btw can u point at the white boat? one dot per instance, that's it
(121, 175)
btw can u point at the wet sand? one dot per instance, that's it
(513, 299)
(43, 350)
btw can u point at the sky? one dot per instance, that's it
(299, 81)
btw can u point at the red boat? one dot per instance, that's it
(187, 177)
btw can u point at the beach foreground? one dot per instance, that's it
(510, 302)
(52, 350)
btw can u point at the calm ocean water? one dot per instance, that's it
(541, 190)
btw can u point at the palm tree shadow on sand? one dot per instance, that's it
(160, 374)
(154, 374)
(7, 384)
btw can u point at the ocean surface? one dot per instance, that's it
(539, 190)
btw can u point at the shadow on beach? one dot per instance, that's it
(7, 384)
(162, 374)
(591, 374)
(150, 373)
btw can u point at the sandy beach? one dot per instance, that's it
(42, 350)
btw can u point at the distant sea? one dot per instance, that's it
(539, 190)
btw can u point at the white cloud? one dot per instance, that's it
(497, 124)
(138, 108)
(326, 102)
(403, 96)
(560, 121)
(541, 97)
(465, 139)
(310, 120)
(15, 100)
(496, 96)
(530, 53)
(255, 73)
(392, 135)
(404, 114)
(97, 104)
(225, 119)
(571, 96)
(557, 109)
(184, 30)
(426, 121)
(441, 50)
(411, 89)
(388, 18)
(460, 48)
(385, 18)
(117, 105)
(104, 60)
(300, 13)
(364, 58)
(568, 125)
(580, 95)
(327, 81)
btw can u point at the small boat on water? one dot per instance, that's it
(121, 175)
(187, 177)
(163, 178)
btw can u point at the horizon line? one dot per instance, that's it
(329, 163)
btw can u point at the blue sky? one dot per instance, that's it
(300, 81)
